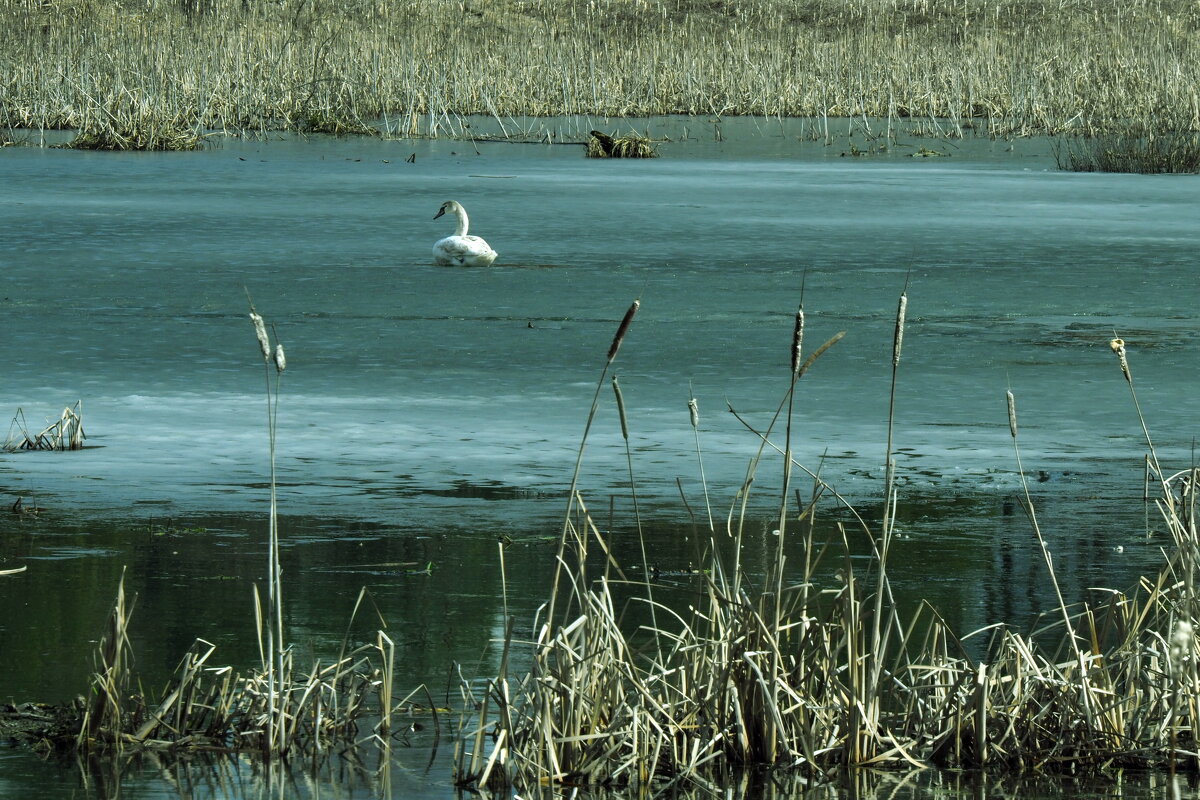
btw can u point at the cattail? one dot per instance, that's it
(280, 358)
(899, 339)
(797, 340)
(620, 407)
(622, 329)
(1118, 347)
(694, 412)
(1012, 413)
(260, 330)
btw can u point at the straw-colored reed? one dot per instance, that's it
(65, 433)
(601, 145)
(816, 673)
(417, 67)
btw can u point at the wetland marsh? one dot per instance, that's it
(164, 74)
(428, 412)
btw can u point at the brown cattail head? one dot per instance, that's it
(260, 330)
(1012, 413)
(280, 358)
(1118, 347)
(621, 408)
(899, 338)
(623, 329)
(797, 339)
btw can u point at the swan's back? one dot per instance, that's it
(463, 251)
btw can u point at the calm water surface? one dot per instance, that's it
(426, 410)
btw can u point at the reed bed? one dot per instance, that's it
(1146, 153)
(277, 709)
(816, 674)
(419, 67)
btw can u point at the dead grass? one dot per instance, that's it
(65, 433)
(417, 68)
(1145, 153)
(601, 145)
(812, 667)
(817, 674)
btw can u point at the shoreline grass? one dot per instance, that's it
(1132, 151)
(806, 668)
(417, 68)
(818, 675)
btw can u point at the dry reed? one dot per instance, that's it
(416, 68)
(1148, 153)
(601, 145)
(276, 710)
(815, 674)
(65, 433)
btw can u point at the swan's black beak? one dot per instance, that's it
(440, 212)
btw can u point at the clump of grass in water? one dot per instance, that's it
(601, 145)
(130, 122)
(274, 711)
(1146, 154)
(66, 433)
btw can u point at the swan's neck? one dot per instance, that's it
(461, 214)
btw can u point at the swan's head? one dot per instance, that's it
(450, 206)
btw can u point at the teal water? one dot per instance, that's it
(427, 411)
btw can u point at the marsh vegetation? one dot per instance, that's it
(816, 673)
(629, 682)
(174, 69)
(65, 433)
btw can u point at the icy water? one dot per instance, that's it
(427, 411)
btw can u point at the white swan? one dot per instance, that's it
(460, 249)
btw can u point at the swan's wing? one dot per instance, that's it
(477, 244)
(462, 249)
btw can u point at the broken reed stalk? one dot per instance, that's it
(65, 433)
(103, 723)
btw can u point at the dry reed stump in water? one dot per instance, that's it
(601, 145)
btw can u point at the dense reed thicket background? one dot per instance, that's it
(1006, 67)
